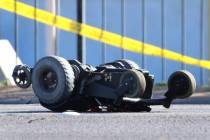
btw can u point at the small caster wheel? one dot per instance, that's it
(22, 76)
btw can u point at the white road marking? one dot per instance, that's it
(71, 113)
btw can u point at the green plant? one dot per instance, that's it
(161, 84)
(4, 83)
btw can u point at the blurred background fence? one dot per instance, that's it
(181, 26)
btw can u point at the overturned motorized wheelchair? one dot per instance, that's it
(121, 85)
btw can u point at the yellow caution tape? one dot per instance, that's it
(98, 34)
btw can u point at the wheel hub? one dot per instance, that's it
(49, 80)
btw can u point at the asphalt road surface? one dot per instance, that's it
(32, 122)
(22, 118)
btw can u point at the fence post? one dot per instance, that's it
(81, 51)
(209, 36)
(52, 31)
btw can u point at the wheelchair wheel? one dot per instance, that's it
(128, 64)
(53, 82)
(181, 84)
(122, 64)
(135, 82)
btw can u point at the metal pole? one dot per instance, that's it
(143, 32)
(81, 42)
(103, 25)
(57, 12)
(209, 36)
(16, 33)
(122, 26)
(201, 41)
(183, 32)
(35, 34)
(51, 36)
(163, 38)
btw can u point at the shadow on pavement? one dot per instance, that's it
(35, 112)
(28, 97)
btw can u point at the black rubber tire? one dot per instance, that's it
(54, 99)
(128, 64)
(122, 64)
(139, 87)
(114, 64)
(181, 84)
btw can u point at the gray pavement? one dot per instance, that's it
(32, 122)
(22, 118)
